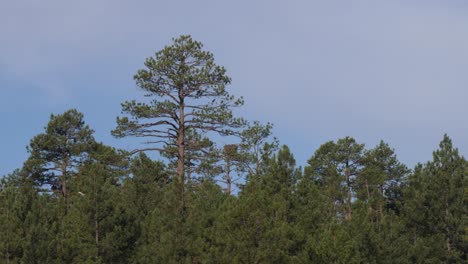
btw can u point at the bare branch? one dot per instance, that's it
(147, 149)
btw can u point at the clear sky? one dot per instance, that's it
(318, 70)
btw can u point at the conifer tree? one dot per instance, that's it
(434, 207)
(56, 153)
(189, 93)
(27, 220)
(257, 146)
(144, 188)
(103, 224)
(239, 161)
(200, 156)
(258, 220)
(335, 166)
(381, 180)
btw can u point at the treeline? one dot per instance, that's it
(76, 200)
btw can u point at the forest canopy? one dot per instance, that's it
(77, 200)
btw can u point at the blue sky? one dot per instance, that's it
(319, 70)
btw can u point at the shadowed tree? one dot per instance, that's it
(56, 153)
(434, 207)
(381, 180)
(258, 224)
(335, 166)
(27, 220)
(99, 223)
(189, 92)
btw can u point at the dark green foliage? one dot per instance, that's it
(171, 235)
(145, 187)
(256, 148)
(189, 96)
(27, 220)
(256, 225)
(56, 153)
(335, 167)
(380, 182)
(107, 223)
(129, 211)
(434, 207)
(200, 157)
(79, 201)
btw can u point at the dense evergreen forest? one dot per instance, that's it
(76, 200)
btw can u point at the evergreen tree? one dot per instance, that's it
(191, 95)
(256, 147)
(163, 234)
(256, 225)
(250, 157)
(142, 193)
(200, 156)
(27, 222)
(203, 213)
(434, 207)
(56, 153)
(349, 206)
(99, 226)
(335, 166)
(381, 180)
(145, 186)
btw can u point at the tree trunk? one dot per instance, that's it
(181, 142)
(63, 182)
(96, 230)
(96, 217)
(228, 176)
(189, 174)
(348, 198)
(257, 161)
(181, 157)
(381, 200)
(447, 229)
(368, 196)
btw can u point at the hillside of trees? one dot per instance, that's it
(77, 200)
